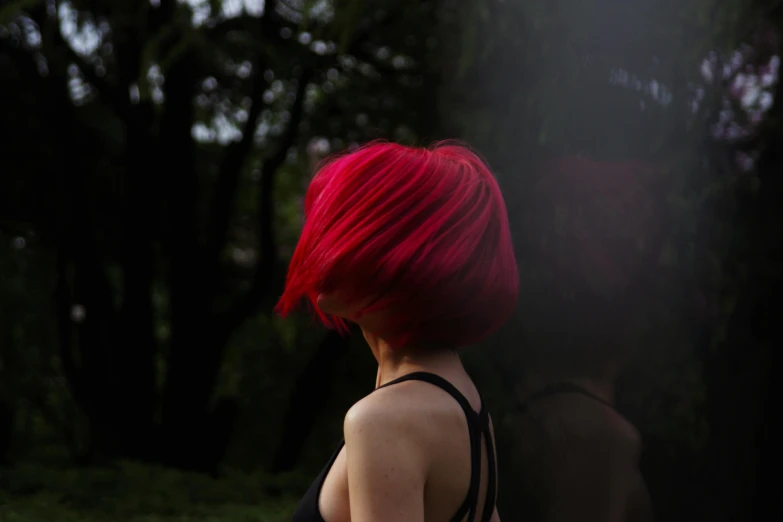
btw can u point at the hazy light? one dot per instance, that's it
(78, 313)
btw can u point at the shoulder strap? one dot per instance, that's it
(558, 388)
(443, 384)
(478, 425)
(489, 503)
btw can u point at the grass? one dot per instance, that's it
(135, 493)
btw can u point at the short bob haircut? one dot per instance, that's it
(421, 234)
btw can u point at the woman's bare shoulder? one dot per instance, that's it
(396, 403)
(377, 407)
(574, 417)
(410, 406)
(386, 462)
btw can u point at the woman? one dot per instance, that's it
(413, 245)
(590, 285)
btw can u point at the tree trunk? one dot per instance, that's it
(7, 415)
(768, 311)
(196, 347)
(307, 399)
(740, 380)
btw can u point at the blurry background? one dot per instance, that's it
(154, 159)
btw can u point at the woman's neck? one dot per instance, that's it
(394, 363)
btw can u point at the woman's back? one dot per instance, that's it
(579, 458)
(417, 437)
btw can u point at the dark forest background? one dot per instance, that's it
(154, 159)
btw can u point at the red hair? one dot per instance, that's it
(592, 272)
(420, 233)
(608, 216)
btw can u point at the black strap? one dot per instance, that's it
(443, 384)
(478, 425)
(557, 388)
(489, 503)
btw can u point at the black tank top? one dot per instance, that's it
(478, 425)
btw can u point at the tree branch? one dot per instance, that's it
(228, 175)
(266, 238)
(272, 38)
(265, 277)
(117, 101)
(271, 24)
(268, 264)
(236, 155)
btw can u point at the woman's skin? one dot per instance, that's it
(407, 453)
(590, 469)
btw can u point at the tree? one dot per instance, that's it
(160, 117)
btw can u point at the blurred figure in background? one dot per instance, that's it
(595, 223)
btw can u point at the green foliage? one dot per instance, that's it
(348, 13)
(12, 9)
(164, 187)
(136, 493)
(30, 378)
